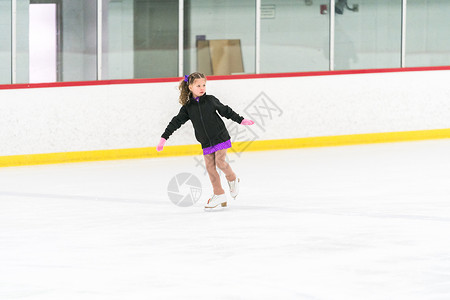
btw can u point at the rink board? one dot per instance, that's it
(136, 153)
(69, 122)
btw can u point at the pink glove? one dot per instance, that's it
(247, 122)
(161, 144)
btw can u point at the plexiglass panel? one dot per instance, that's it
(5, 44)
(219, 37)
(78, 40)
(155, 38)
(61, 40)
(294, 36)
(42, 42)
(427, 33)
(140, 39)
(367, 34)
(117, 37)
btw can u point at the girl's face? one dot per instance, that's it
(198, 87)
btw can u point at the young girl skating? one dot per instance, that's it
(209, 130)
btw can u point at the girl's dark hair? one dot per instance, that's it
(184, 86)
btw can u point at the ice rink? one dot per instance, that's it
(353, 222)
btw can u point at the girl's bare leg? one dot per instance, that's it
(210, 163)
(223, 165)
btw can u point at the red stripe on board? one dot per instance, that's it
(327, 73)
(86, 83)
(224, 77)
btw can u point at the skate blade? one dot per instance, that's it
(217, 207)
(234, 197)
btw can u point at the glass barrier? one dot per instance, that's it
(5, 44)
(61, 39)
(219, 37)
(56, 40)
(294, 36)
(140, 39)
(427, 33)
(368, 34)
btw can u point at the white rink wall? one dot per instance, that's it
(121, 116)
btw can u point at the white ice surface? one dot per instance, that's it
(356, 222)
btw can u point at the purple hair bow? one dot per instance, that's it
(186, 78)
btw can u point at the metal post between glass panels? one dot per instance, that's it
(13, 41)
(258, 37)
(332, 19)
(180, 37)
(403, 35)
(99, 39)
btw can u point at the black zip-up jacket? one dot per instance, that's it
(209, 128)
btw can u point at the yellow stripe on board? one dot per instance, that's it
(351, 139)
(184, 150)
(96, 155)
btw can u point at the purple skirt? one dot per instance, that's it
(221, 146)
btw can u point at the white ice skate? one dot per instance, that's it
(216, 201)
(234, 187)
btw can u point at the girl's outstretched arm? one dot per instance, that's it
(176, 123)
(226, 111)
